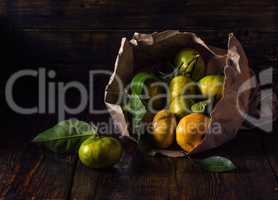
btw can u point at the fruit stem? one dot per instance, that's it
(191, 65)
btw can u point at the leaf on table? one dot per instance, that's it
(66, 136)
(216, 164)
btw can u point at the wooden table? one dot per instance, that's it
(75, 36)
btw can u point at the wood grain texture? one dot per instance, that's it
(10, 157)
(271, 150)
(26, 173)
(253, 180)
(37, 177)
(165, 14)
(41, 47)
(141, 178)
(75, 36)
(166, 178)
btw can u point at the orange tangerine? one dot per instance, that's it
(191, 131)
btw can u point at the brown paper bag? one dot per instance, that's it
(147, 50)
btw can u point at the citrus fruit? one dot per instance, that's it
(212, 86)
(189, 61)
(164, 125)
(180, 106)
(100, 152)
(155, 95)
(191, 131)
(181, 85)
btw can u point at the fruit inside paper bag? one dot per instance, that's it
(174, 95)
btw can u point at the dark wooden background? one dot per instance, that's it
(75, 36)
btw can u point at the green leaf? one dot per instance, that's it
(138, 82)
(66, 136)
(138, 111)
(216, 164)
(135, 104)
(200, 107)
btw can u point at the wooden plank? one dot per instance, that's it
(270, 138)
(254, 173)
(47, 47)
(271, 150)
(35, 176)
(84, 183)
(26, 95)
(150, 178)
(39, 48)
(165, 178)
(90, 14)
(10, 157)
(27, 174)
